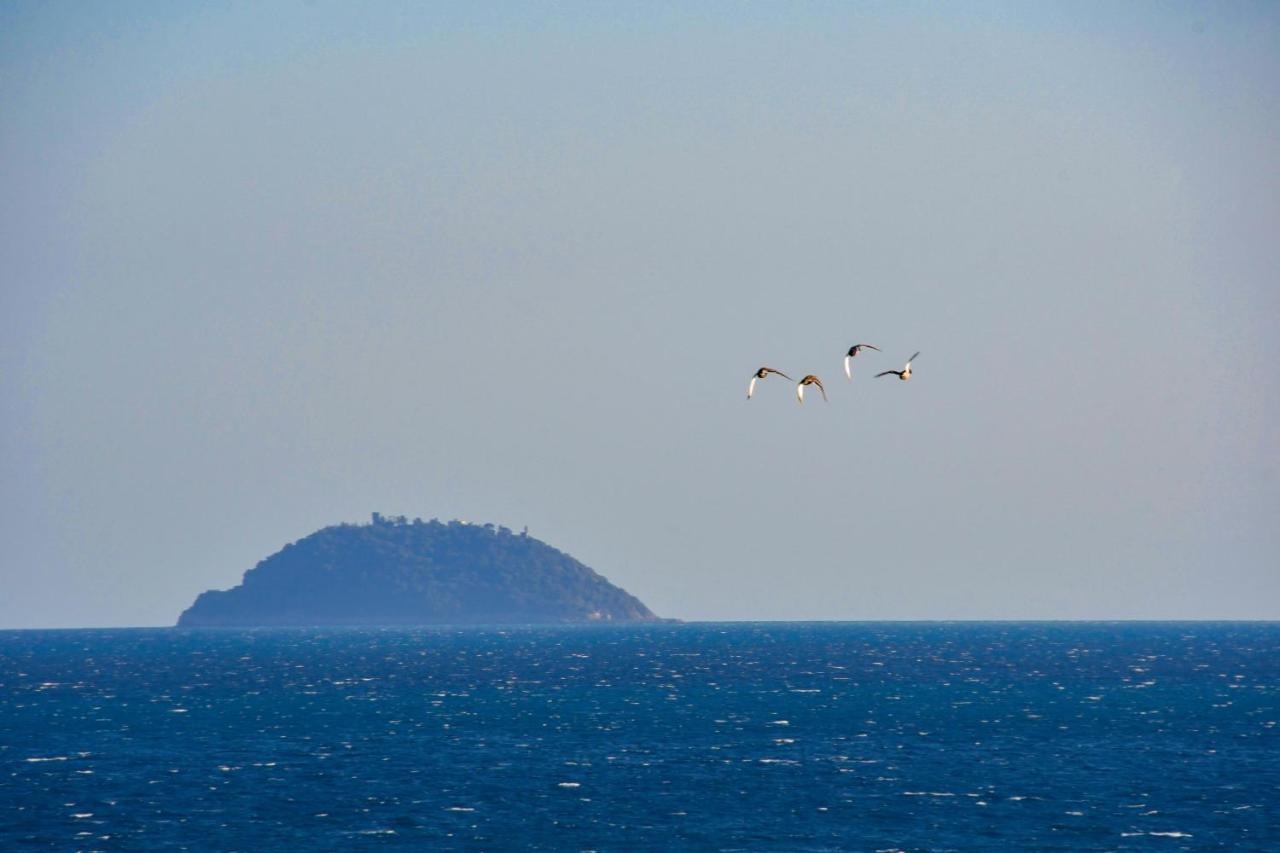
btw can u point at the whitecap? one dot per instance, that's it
(52, 758)
(569, 784)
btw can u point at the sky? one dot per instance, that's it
(270, 267)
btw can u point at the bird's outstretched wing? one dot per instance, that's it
(887, 372)
(780, 373)
(869, 346)
(846, 367)
(913, 358)
(751, 389)
(818, 382)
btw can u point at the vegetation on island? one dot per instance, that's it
(400, 572)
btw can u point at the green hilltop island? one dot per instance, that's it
(399, 572)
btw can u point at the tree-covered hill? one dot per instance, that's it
(397, 572)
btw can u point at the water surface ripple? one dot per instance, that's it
(776, 736)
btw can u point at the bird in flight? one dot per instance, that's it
(809, 380)
(761, 374)
(904, 374)
(854, 350)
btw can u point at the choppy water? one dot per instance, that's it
(759, 736)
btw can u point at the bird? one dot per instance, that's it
(761, 374)
(854, 350)
(904, 374)
(809, 380)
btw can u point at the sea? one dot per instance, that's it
(710, 736)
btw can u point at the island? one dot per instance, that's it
(399, 572)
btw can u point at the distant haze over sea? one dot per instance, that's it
(267, 266)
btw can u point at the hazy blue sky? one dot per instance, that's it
(268, 267)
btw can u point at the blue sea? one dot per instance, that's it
(766, 736)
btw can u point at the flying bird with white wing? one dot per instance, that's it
(904, 374)
(853, 351)
(761, 374)
(809, 380)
